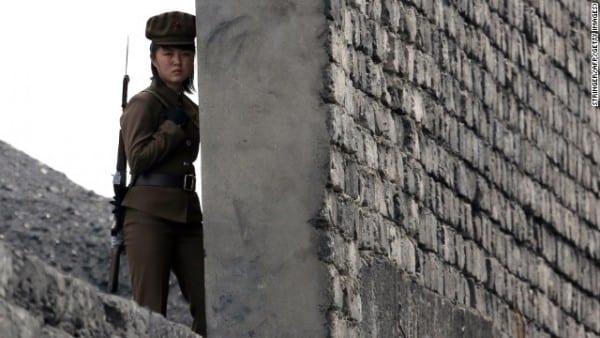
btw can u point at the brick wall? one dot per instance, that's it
(464, 172)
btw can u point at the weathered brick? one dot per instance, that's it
(339, 327)
(347, 219)
(390, 14)
(445, 236)
(336, 171)
(408, 24)
(351, 179)
(463, 128)
(408, 255)
(366, 231)
(428, 228)
(381, 46)
(380, 196)
(370, 149)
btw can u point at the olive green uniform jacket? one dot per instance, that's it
(155, 145)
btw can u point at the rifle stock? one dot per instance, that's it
(115, 261)
(117, 245)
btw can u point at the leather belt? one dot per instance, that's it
(185, 182)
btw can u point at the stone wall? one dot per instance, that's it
(464, 181)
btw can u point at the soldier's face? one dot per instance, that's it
(173, 65)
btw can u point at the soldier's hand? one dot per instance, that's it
(177, 115)
(117, 207)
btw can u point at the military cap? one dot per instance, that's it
(172, 28)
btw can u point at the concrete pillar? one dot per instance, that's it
(264, 165)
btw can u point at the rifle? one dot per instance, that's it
(120, 189)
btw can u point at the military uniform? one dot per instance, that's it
(163, 221)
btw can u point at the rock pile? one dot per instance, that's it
(38, 301)
(44, 214)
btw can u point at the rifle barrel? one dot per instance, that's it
(126, 77)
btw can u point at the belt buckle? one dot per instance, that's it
(189, 182)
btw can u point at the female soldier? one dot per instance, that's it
(160, 128)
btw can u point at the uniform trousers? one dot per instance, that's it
(155, 247)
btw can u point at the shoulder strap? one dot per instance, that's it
(120, 176)
(158, 97)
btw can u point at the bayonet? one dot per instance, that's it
(126, 55)
(125, 77)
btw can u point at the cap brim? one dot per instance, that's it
(171, 41)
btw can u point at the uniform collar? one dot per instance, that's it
(167, 93)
